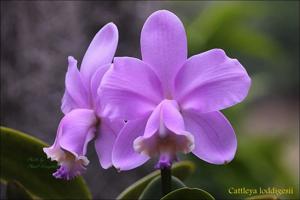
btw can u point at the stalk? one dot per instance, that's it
(165, 173)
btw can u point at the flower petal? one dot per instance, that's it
(95, 83)
(67, 103)
(165, 114)
(164, 46)
(75, 130)
(215, 140)
(171, 117)
(211, 81)
(129, 90)
(76, 93)
(101, 50)
(106, 137)
(124, 156)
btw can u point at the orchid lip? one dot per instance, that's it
(165, 143)
(71, 165)
(164, 147)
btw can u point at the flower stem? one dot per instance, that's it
(165, 173)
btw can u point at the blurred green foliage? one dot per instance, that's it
(228, 25)
(257, 164)
(264, 37)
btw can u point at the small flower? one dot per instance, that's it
(172, 103)
(81, 105)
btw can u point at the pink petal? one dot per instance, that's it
(76, 129)
(105, 140)
(123, 156)
(101, 50)
(215, 140)
(164, 46)
(171, 117)
(76, 95)
(165, 114)
(211, 81)
(67, 103)
(130, 89)
(95, 83)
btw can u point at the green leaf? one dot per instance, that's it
(15, 190)
(153, 189)
(181, 170)
(23, 160)
(263, 197)
(188, 194)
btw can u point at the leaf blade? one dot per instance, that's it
(24, 161)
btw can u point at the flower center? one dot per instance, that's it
(168, 138)
(70, 166)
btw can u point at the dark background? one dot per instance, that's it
(37, 37)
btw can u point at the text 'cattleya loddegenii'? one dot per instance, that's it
(82, 108)
(172, 103)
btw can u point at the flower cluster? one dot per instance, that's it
(171, 103)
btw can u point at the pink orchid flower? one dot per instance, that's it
(81, 105)
(172, 103)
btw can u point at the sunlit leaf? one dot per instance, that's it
(23, 160)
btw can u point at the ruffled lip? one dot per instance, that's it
(71, 164)
(169, 144)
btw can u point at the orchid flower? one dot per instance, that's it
(81, 105)
(172, 103)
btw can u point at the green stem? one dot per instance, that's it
(165, 180)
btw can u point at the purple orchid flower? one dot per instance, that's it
(172, 103)
(81, 105)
